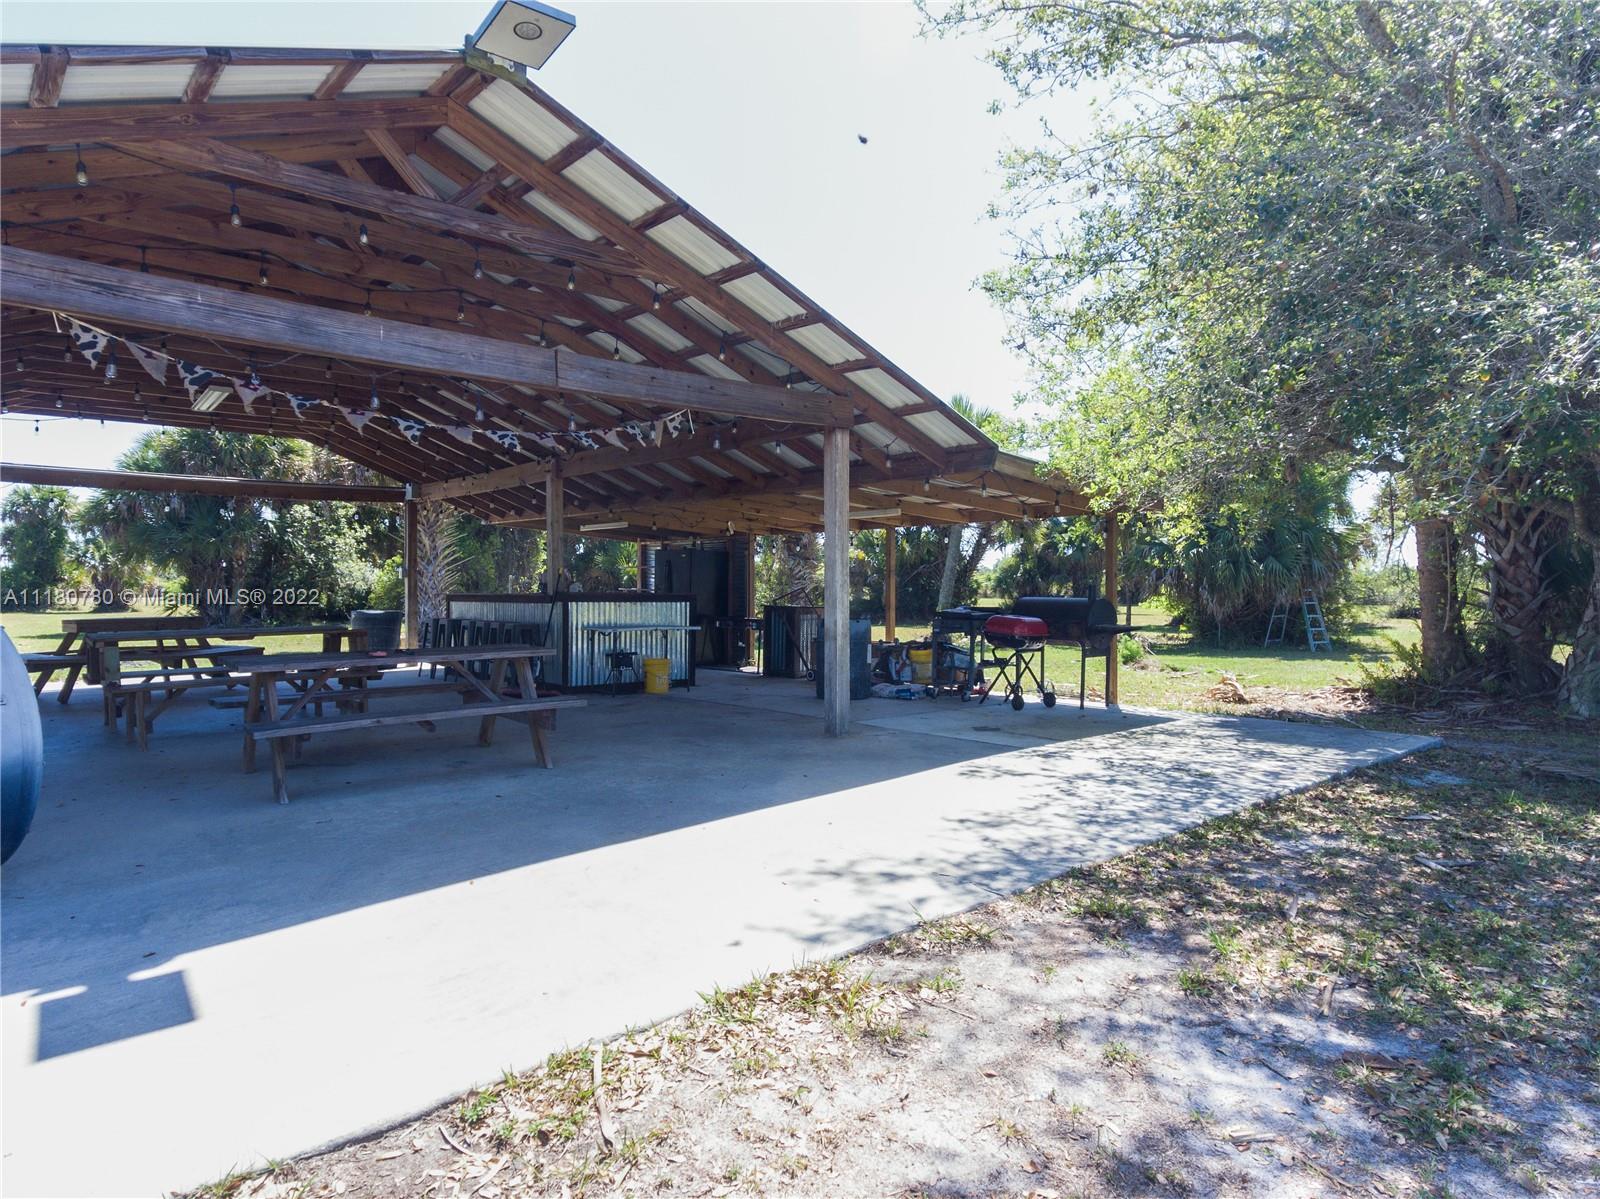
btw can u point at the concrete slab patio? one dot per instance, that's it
(210, 979)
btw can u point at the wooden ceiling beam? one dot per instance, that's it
(395, 154)
(663, 265)
(237, 119)
(210, 156)
(45, 89)
(52, 282)
(203, 79)
(132, 480)
(339, 78)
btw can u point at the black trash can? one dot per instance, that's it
(382, 625)
(860, 658)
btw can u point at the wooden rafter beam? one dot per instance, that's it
(244, 118)
(130, 480)
(208, 155)
(54, 283)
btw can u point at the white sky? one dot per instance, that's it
(749, 111)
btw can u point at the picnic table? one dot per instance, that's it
(72, 654)
(341, 678)
(183, 659)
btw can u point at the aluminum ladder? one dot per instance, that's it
(1316, 628)
(1277, 624)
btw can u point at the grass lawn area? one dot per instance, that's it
(40, 632)
(1179, 668)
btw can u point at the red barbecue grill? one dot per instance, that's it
(1019, 658)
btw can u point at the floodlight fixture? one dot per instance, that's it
(523, 32)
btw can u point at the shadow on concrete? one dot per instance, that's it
(139, 858)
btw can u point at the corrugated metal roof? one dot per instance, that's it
(709, 365)
(16, 79)
(699, 312)
(825, 344)
(462, 148)
(125, 81)
(763, 297)
(539, 202)
(660, 332)
(607, 182)
(520, 118)
(393, 79)
(883, 386)
(945, 432)
(691, 244)
(268, 83)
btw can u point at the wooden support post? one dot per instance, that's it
(413, 631)
(642, 566)
(555, 547)
(836, 581)
(749, 597)
(1112, 662)
(890, 585)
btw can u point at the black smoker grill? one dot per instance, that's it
(1087, 621)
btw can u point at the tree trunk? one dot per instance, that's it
(1444, 639)
(952, 566)
(438, 560)
(1518, 540)
(1579, 693)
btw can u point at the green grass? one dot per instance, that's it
(40, 632)
(1180, 667)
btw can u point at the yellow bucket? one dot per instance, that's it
(656, 672)
(921, 664)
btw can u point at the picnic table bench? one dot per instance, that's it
(341, 679)
(72, 654)
(182, 660)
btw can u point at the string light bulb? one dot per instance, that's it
(361, 235)
(722, 348)
(263, 275)
(327, 369)
(572, 279)
(655, 299)
(58, 399)
(19, 360)
(477, 266)
(366, 309)
(373, 401)
(81, 172)
(111, 365)
(616, 349)
(234, 218)
(461, 306)
(543, 340)
(477, 413)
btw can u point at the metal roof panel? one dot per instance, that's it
(757, 293)
(125, 81)
(825, 344)
(522, 118)
(693, 245)
(614, 187)
(394, 79)
(246, 82)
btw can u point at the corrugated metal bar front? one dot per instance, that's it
(522, 611)
(586, 662)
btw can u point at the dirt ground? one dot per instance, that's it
(1389, 985)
